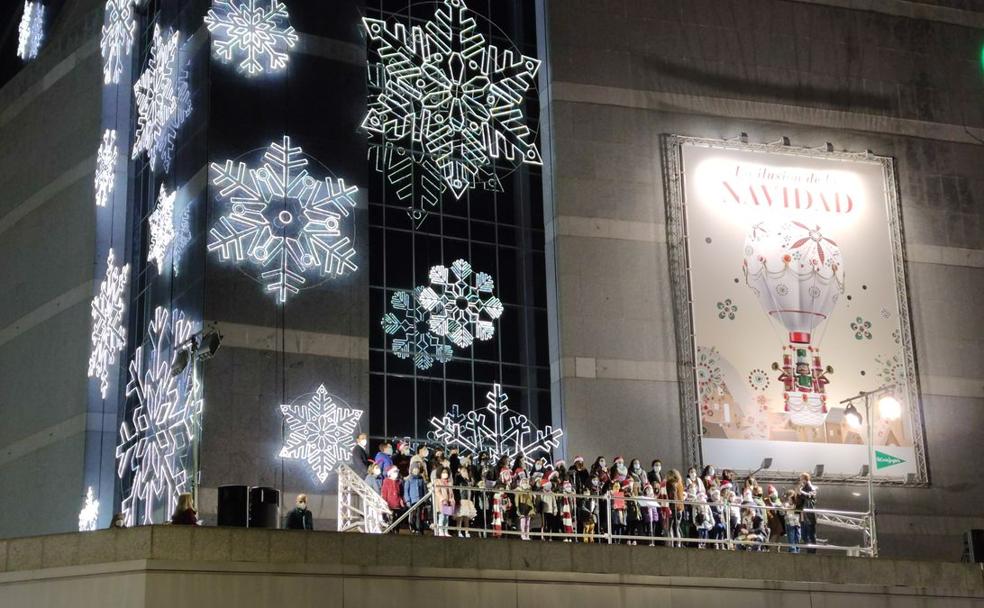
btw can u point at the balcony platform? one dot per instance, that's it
(168, 566)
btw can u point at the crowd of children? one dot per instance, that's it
(587, 503)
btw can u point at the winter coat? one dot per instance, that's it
(420, 463)
(414, 489)
(375, 482)
(188, 517)
(360, 460)
(300, 519)
(524, 503)
(443, 494)
(384, 460)
(392, 493)
(547, 503)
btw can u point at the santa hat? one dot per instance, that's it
(773, 491)
(568, 486)
(400, 445)
(391, 468)
(559, 463)
(578, 459)
(545, 484)
(518, 470)
(619, 459)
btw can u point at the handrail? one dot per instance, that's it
(359, 506)
(406, 514)
(843, 519)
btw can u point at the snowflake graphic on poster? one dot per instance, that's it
(163, 101)
(284, 220)
(161, 223)
(154, 455)
(89, 514)
(106, 167)
(258, 31)
(494, 429)
(709, 375)
(320, 431)
(116, 41)
(108, 333)
(414, 338)
(890, 369)
(461, 303)
(31, 30)
(439, 89)
(758, 379)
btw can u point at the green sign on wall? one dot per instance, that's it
(883, 460)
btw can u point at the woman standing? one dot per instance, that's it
(675, 492)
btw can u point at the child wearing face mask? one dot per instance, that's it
(649, 507)
(414, 490)
(465, 511)
(392, 492)
(618, 509)
(374, 478)
(444, 499)
(524, 507)
(587, 508)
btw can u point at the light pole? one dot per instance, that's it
(889, 409)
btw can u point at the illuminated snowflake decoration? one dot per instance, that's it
(117, 38)
(161, 229)
(284, 220)
(106, 167)
(182, 238)
(319, 431)
(31, 30)
(163, 101)
(156, 439)
(461, 303)
(108, 333)
(494, 429)
(89, 515)
(414, 338)
(441, 90)
(258, 31)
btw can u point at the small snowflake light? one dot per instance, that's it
(443, 88)
(284, 220)
(415, 339)
(31, 30)
(494, 429)
(116, 41)
(106, 167)
(461, 303)
(89, 515)
(163, 101)
(155, 452)
(257, 33)
(320, 431)
(108, 332)
(161, 229)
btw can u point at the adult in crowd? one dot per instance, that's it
(185, 513)
(360, 455)
(300, 517)
(808, 520)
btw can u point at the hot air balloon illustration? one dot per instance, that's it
(797, 275)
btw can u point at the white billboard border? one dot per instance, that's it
(680, 282)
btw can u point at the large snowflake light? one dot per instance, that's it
(117, 38)
(31, 30)
(415, 339)
(494, 429)
(161, 229)
(461, 303)
(89, 515)
(106, 167)
(108, 332)
(319, 431)
(258, 31)
(443, 91)
(283, 219)
(163, 101)
(156, 440)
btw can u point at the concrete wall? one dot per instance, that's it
(188, 566)
(50, 129)
(623, 72)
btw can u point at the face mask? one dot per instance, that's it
(658, 468)
(693, 476)
(394, 474)
(302, 505)
(362, 443)
(602, 464)
(710, 471)
(444, 477)
(636, 466)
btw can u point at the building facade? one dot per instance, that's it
(581, 250)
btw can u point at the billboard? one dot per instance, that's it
(791, 298)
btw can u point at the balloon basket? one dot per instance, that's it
(806, 409)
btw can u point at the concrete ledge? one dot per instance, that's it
(208, 548)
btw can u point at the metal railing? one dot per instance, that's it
(360, 508)
(606, 519)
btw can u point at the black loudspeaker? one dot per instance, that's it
(264, 508)
(233, 506)
(974, 546)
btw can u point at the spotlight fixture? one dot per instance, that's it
(208, 344)
(181, 360)
(864, 471)
(818, 471)
(853, 416)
